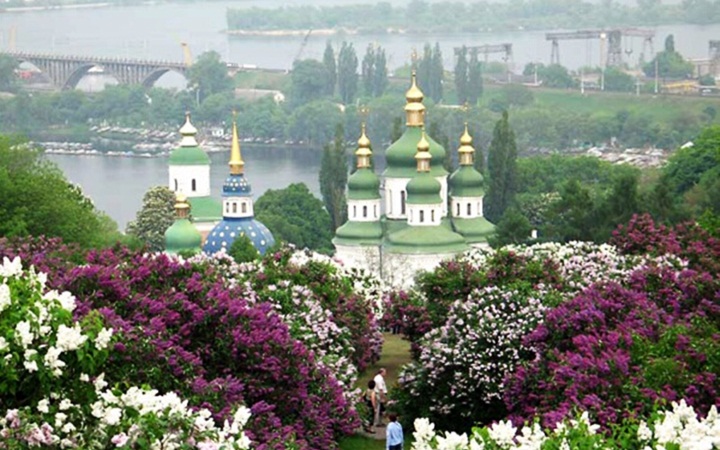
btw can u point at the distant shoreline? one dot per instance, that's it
(20, 9)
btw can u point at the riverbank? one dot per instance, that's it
(22, 9)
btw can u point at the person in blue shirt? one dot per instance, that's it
(394, 436)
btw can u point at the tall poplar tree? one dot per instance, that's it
(502, 171)
(424, 71)
(461, 76)
(331, 68)
(474, 80)
(347, 73)
(437, 75)
(367, 71)
(380, 81)
(333, 179)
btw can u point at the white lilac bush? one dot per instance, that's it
(53, 392)
(462, 365)
(677, 429)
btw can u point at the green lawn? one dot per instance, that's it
(395, 353)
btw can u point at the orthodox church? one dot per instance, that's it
(202, 222)
(412, 226)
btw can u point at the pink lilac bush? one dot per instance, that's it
(186, 330)
(622, 351)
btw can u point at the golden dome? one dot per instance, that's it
(414, 94)
(364, 141)
(466, 139)
(236, 162)
(188, 132)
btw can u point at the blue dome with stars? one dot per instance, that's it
(236, 185)
(224, 234)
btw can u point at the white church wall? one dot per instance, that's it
(181, 180)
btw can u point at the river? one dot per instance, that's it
(154, 31)
(117, 184)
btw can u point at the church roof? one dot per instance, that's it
(424, 240)
(400, 156)
(474, 230)
(423, 189)
(225, 232)
(205, 209)
(466, 182)
(236, 185)
(364, 184)
(182, 236)
(359, 233)
(189, 152)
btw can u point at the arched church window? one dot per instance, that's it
(403, 199)
(193, 185)
(364, 211)
(176, 185)
(374, 211)
(469, 209)
(457, 209)
(354, 211)
(422, 216)
(234, 207)
(243, 207)
(432, 215)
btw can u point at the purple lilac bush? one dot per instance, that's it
(187, 330)
(622, 351)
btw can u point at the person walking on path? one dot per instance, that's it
(394, 436)
(381, 396)
(372, 404)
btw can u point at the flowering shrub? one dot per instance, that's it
(687, 241)
(618, 351)
(187, 329)
(677, 429)
(459, 375)
(52, 388)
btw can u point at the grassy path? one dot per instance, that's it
(395, 353)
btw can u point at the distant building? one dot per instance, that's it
(256, 94)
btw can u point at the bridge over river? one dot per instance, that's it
(65, 71)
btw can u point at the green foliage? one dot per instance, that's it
(617, 80)
(330, 69)
(333, 179)
(554, 75)
(461, 75)
(8, 80)
(688, 165)
(309, 81)
(295, 216)
(670, 63)
(475, 81)
(314, 123)
(511, 95)
(154, 218)
(502, 170)
(374, 71)
(242, 250)
(38, 200)
(208, 75)
(430, 73)
(347, 73)
(512, 228)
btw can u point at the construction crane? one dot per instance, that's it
(612, 36)
(490, 48)
(187, 56)
(303, 44)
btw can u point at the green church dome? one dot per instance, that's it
(182, 236)
(189, 156)
(423, 189)
(466, 182)
(364, 184)
(400, 156)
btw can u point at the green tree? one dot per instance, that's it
(295, 216)
(242, 250)
(154, 218)
(555, 76)
(315, 122)
(368, 70)
(308, 80)
(209, 75)
(380, 80)
(571, 217)
(38, 200)
(347, 73)
(512, 228)
(617, 80)
(333, 179)
(670, 63)
(8, 80)
(424, 71)
(461, 76)
(330, 69)
(437, 75)
(474, 81)
(502, 170)
(687, 166)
